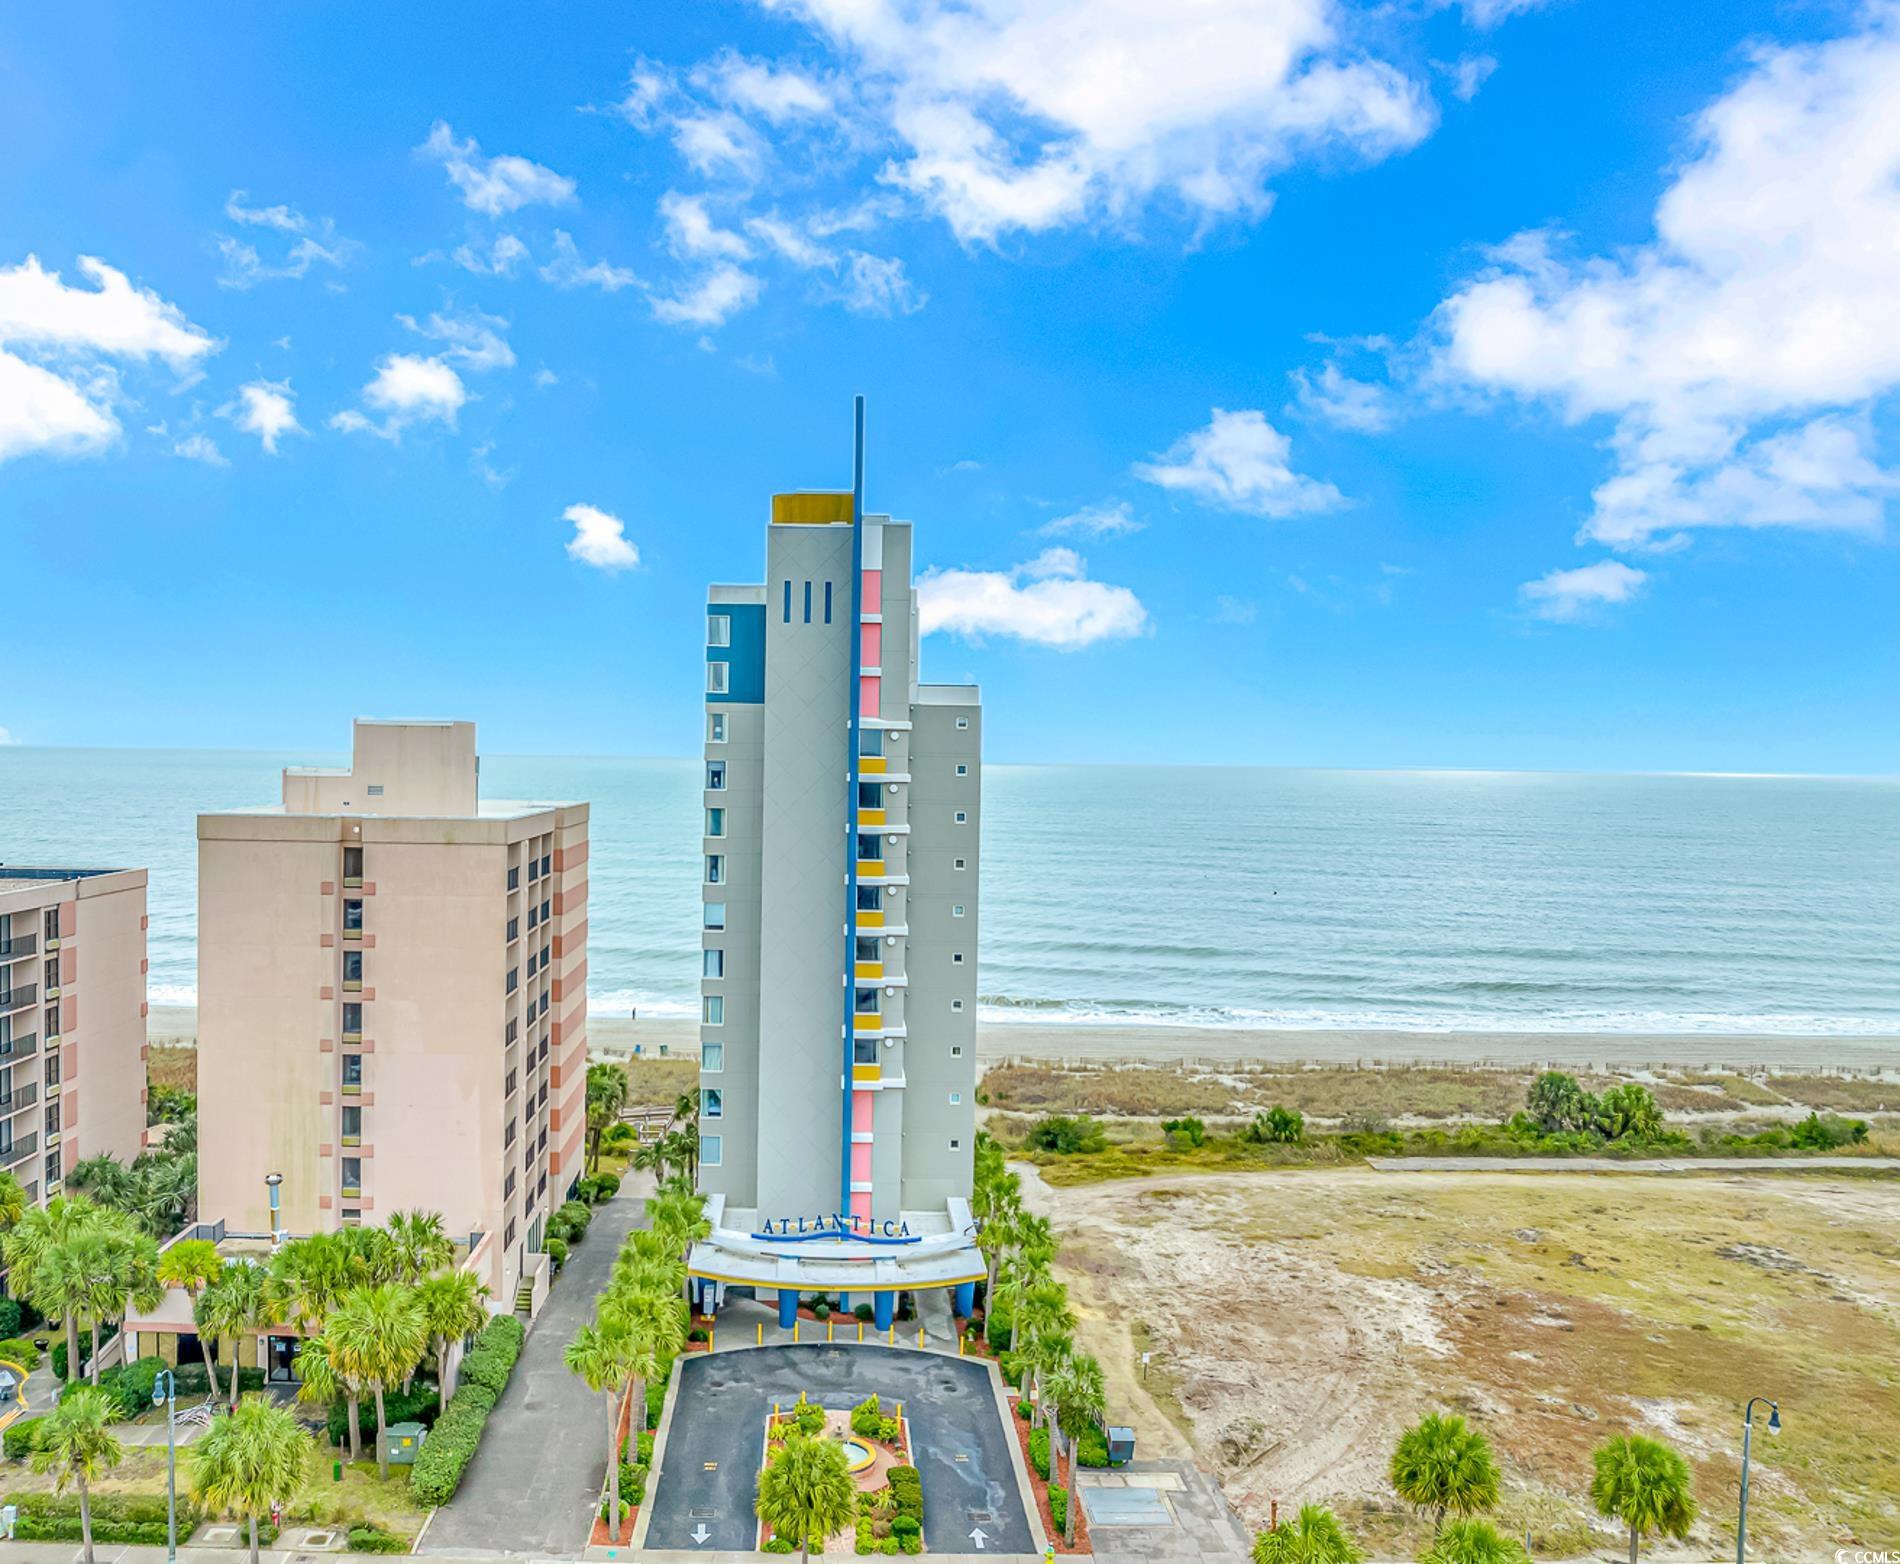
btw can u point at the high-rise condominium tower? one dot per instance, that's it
(840, 869)
(392, 991)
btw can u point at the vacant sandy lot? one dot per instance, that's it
(1300, 1318)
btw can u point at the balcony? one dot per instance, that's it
(352, 1191)
(19, 997)
(20, 1046)
(20, 1149)
(355, 934)
(19, 945)
(24, 1097)
(352, 985)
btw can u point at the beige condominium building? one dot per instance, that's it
(839, 907)
(392, 1000)
(72, 1020)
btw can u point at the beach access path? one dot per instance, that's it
(1632, 1164)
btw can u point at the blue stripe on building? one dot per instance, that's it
(746, 654)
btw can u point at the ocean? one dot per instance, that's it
(1435, 901)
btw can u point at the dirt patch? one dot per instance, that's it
(1299, 1320)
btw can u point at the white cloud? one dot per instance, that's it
(876, 285)
(1005, 117)
(479, 463)
(711, 301)
(600, 539)
(775, 93)
(1741, 352)
(506, 256)
(788, 240)
(201, 448)
(265, 408)
(1569, 595)
(406, 389)
(1335, 397)
(545, 377)
(316, 244)
(1469, 73)
(1107, 520)
(58, 344)
(691, 232)
(718, 143)
(475, 340)
(1239, 462)
(1488, 13)
(1048, 601)
(7, 738)
(498, 185)
(568, 270)
(1234, 610)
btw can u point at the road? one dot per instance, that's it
(534, 1482)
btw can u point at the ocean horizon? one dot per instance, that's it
(1231, 897)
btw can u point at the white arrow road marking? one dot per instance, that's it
(978, 1536)
(700, 1534)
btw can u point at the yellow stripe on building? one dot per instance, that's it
(811, 509)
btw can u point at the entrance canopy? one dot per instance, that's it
(837, 1254)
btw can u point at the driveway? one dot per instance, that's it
(709, 1468)
(533, 1483)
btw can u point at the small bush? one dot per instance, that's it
(1828, 1132)
(9, 1316)
(865, 1312)
(373, 1539)
(776, 1545)
(907, 1492)
(1039, 1452)
(577, 1214)
(656, 1401)
(17, 1349)
(557, 1250)
(999, 1328)
(889, 1430)
(1277, 1127)
(906, 1526)
(866, 1416)
(1066, 1134)
(1059, 1506)
(697, 1333)
(606, 1186)
(1184, 1132)
(22, 1438)
(1025, 1411)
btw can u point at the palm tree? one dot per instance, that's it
(12, 1202)
(76, 1445)
(245, 1462)
(191, 1263)
(44, 1267)
(680, 1216)
(308, 1275)
(452, 1307)
(129, 1279)
(1314, 1536)
(422, 1245)
(1043, 1324)
(238, 1304)
(806, 1492)
(1472, 1541)
(376, 1336)
(607, 1089)
(374, 1255)
(1444, 1467)
(603, 1356)
(1081, 1397)
(1644, 1484)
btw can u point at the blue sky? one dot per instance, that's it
(1505, 385)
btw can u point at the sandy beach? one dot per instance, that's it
(1161, 1044)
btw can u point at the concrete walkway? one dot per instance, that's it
(1631, 1165)
(535, 1480)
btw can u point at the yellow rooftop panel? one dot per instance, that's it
(811, 509)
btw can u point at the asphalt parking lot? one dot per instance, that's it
(701, 1499)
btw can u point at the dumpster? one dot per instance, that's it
(1121, 1444)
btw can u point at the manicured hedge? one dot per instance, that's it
(656, 1401)
(194, 1381)
(116, 1517)
(451, 1444)
(373, 1539)
(1059, 1506)
(1039, 1452)
(104, 1333)
(17, 1349)
(999, 1326)
(416, 1407)
(907, 1489)
(21, 1438)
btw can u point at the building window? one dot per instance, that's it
(352, 1125)
(955, 1143)
(52, 923)
(543, 1008)
(870, 898)
(963, 817)
(715, 822)
(788, 602)
(963, 722)
(870, 849)
(807, 602)
(353, 916)
(716, 727)
(712, 1009)
(867, 950)
(870, 795)
(352, 1072)
(352, 865)
(514, 876)
(957, 910)
(514, 979)
(715, 776)
(719, 629)
(715, 869)
(376, 790)
(534, 870)
(864, 1001)
(52, 1069)
(352, 1175)
(962, 863)
(956, 1050)
(52, 1169)
(353, 1020)
(956, 959)
(353, 964)
(52, 1022)
(956, 1099)
(547, 863)
(714, 915)
(870, 741)
(956, 1004)
(712, 1102)
(712, 1058)
(711, 1151)
(712, 962)
(827, 602)
(718, 678)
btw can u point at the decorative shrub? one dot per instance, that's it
(889, 1430)
(373, 1539)
(1025, 1411)
(21, 1438)
(866, 1416)
(606, 1186)
(656, 1400)
(908, 1544)
(557, 1251)
(907, 1526)
(999, 1328)
(9, 1316)
(697, 1333)
(101, 1333)
(821, 1310)
(577, 1215)
(907, 1492)
(1012, 1367)
(451, 1444)
(116, 1517)
(643, 1447)
(1039, 1452)
(865, 1312)
(194, 1381)
(1059, 1506)
(808, 1417)
(776, 1545)
(17, 1349)
(492, 1359)
(131, 1385)
(1091, 1447)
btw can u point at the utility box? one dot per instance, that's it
(402, 1442)
(1121, 1444)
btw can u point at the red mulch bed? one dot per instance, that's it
(602, 1536)
(1041, 1491)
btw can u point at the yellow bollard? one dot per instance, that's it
(920, 1335)
(712, 1332)
(959, 1345)
(795, 1325)
(828, 1335)
(860, 1331)
(893, 1335)
(761, 1340)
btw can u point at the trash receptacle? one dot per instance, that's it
(404, 1441)
(1121, 1444)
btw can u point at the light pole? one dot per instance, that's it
(1748, 1428)
(274, 1182)
(165, 1394)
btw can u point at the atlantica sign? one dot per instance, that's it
(837, 1225)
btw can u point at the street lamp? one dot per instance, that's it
(1748, 1428)
(165, 1394)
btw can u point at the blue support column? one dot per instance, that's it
(964, 1301)
(844, 1303)
(883, 1305)
(787, 1307)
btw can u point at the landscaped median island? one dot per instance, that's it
(833, 1477)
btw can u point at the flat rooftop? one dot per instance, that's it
(485, 809)
(12, 878)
